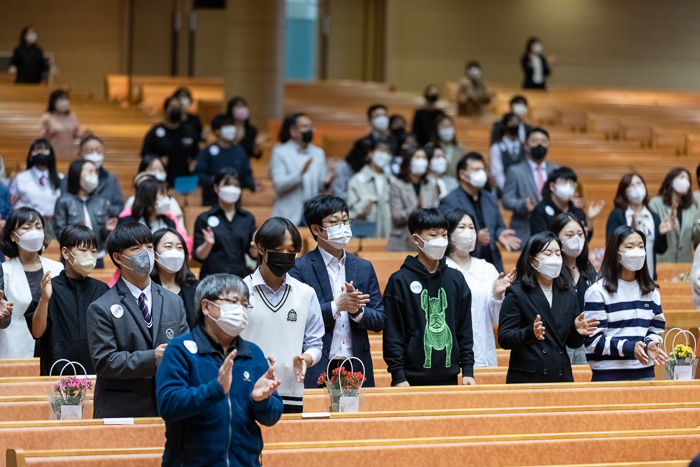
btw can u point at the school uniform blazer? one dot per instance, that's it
(311, 270)
(122, 348)
(532, 360)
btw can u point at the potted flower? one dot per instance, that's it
(343, 388)
(68, 396)
(682, 362)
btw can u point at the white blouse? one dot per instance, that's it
(485, 308)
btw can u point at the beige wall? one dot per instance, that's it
(622, 43)
(209, 43)
(152, 37)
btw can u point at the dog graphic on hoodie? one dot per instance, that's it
(437, 334)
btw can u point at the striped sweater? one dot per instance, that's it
(626, 317)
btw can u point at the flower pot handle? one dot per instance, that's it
(350, 359)
(673, 343)
(68, 363)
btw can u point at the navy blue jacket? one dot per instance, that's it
(212, 159)
(204, 426)
(458, 198)
(311, 270)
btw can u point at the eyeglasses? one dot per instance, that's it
(347, 222)
(235, 302)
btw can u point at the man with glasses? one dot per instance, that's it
(346, 287)
(213, 386)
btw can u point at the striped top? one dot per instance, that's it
(626, 317)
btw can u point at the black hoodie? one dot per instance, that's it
(411, 354)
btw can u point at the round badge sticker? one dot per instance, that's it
(549, 210)
(169, 333)
(191, 346)
(160, 132)
(117, 311)
(213, 221)
(214, 150)
(416, 287)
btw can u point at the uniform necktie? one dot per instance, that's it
(144, 310)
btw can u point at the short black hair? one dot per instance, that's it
(537, 129)
(470, 156)
(184, 276)
(611, 269)
(17, 218)
(146, 161)
(472, 63)
(454, 216)
(322, 206)
(561, 173)
(525, 274)
(75, 170)
(219, 121)
(271, 234)
(506, 118)
(167, 102)
(374, 107)
(89, 137)
(226, 173)
(426, 219)
(429, 87)
(518, 99)
(125, 236)
(76, 235)
(183, 90)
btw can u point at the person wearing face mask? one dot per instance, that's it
(525, 181)
(482, 205)
(214, 387)
(297, 168)
(508, 151)
(151, 206)
(59, 125)
(368, 193)
(130, 326)
(59, 319)
(23, 240)
(172, 271)
(444, 137)
(346, 287)
(411, 190)
(80, 205)
(675, 201)
(540, 316)
(486, 284)
(222, 153)
(535, 65)
(223, 236)
(247, 135)
(473, 94)
(424, 119)
(378, 119)
(397, 127)
(627, 303)
(437, 166)
(28, 63)
(428, 338)
(173, 141)
(151, 166)
(190, 120)
(285, 319)
(517, 106)
(632, 208)
(574, 252)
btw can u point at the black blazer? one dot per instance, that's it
(532, 360)
(617, 218)
(526, 64)
(187, 296)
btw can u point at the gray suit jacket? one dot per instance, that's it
(123, 349)
(520, 184)
(402, 202)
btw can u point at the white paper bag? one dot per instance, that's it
(683, 372)
(349, 404)
(71, 412)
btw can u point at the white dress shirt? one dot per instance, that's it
(537, 69)
(534, 167)
(497, 166)
(136, 292)
(341, 345)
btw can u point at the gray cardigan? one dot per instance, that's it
(403, 201)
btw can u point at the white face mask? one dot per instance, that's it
(185, 102)
(62, 105)
(229, 194)
(636, 194)
(162, 176)
(573, 246)
(89, 183)
(465, 241)
(419, 166)
(435, 248)
(478, 179)
(475, 72)
(380, 123)
(549, 267)
(681, 185)
(32, 240)
(520, 109)
(162, 206)
(338, 236)
(233, 319)
(31, 37)
(438, 165)
(446, 134)
(537, 48)
(564, 191)
(96, 158)
(381, 159)
(228, 132)
(172, 260)
(633, 260)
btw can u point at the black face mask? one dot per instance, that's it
(41, 159)
(513, 129)
(538, 152)
(398, 133)
(175, 115)
(307, 136)
(280, 264)
(431, 98)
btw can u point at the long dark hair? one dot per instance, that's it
(530, 41)
(56, 95)
(666, 190)
(145, 199)
(405, 169)
(184, 276)
(611, 268)
(50, 165)
(583, 264)
(621, 201)
(525, 274)
(23, 37)
(75, 171)
(435, 136)
(234, 101)
(289, 122)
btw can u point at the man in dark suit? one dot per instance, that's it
(483, 206)
(378, 118)
(346, 286)
(518, 106)
(129, 328)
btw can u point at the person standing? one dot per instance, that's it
(190, 120)
(346, 286)
(378, 119)
(444, 137)
(517, 106)
(59, 125)
(28, 63)
(508, 151)
(424, 119)
(129, 328)
(473, 94)
(535, 66)
(247, 136)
